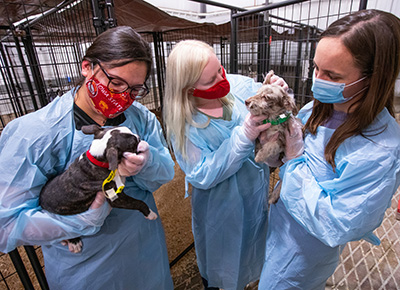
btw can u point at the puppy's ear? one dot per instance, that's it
(134, 143)
(91, 129)
(112, 158)
(267, 80)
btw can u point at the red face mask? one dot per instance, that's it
(106, 102)
(217, 91)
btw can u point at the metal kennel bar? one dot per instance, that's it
(37, 268)
(22, 272)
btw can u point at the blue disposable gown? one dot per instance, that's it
(229, 195)
(320, 210)
(127, 251)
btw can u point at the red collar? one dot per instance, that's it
(95, 161)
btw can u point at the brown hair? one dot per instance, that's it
(119, 46)
(373, 38)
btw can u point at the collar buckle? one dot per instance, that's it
(281, 119)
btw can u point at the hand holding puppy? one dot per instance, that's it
(294, 140)
(133, 163)
(98, 201)
(277, 80)
(253, 126)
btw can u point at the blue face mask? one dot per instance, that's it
(331, 92)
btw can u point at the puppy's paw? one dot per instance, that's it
(75, 248)
(74, 245)
(152, 215)
(275, 194)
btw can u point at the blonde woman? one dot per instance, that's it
(213, 136)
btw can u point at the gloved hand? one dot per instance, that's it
(294, 140)
(279, 81)
(133, 163)
(98, 201)
(252, 126)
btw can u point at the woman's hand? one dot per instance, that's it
(133, 163)
(98, 201)
(277, 80)
(294, 140)
(253, 126)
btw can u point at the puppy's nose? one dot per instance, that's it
(247, 103)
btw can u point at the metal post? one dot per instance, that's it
(363, 4)
(101, 21)
(269, 43)
(111, 21)
(26, 74)
(98, 19)
(282, 63)
(37, 268)
(233, 52)
(203, 9)
(312, 34)
(34, 65)
(298, 61)
(22, 273)
(11, 85)
(262, 48)
(157, 39)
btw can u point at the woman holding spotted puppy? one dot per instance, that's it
(338, 190)
(121, 249)
(213, 136)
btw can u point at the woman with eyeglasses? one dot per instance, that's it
(121, 249)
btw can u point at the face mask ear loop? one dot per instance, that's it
(359, 92)
(92, 67)
(356, 82)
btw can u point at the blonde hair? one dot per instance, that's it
(185, 65)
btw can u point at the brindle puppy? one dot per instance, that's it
(74, 190)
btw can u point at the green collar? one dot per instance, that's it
(281, 118)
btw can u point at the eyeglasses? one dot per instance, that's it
(118, 86)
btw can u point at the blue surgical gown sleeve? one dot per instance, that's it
(31, 152)
(207, 167)
(352, 204)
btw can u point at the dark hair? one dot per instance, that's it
(373, 39)
(119, 46)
